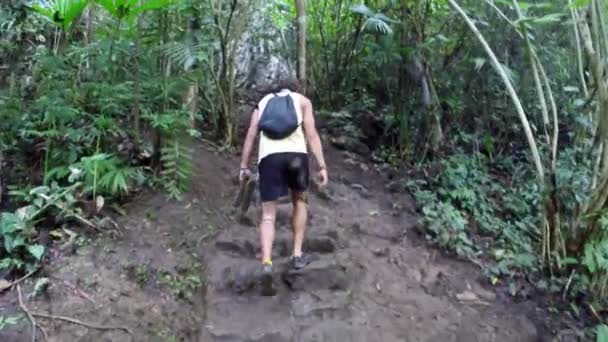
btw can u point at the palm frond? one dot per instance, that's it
(378, 25)
(375, 22)
(60, 12)
(182, 54)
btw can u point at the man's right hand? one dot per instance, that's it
(323, 179)
(244, 174)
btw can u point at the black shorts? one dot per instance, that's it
(280, 172)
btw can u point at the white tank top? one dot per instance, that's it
(296, 142)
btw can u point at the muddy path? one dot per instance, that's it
(187, 271)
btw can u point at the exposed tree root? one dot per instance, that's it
(27, 312)
(18, 281)
(84, 324)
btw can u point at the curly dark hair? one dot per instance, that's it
(252, 96)
(284, 82)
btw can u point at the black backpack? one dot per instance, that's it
(279, 119)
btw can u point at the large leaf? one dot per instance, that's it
(579, 4)
(60, 12)
(128, 9)
(119, 9)
(10, 223)
(602, 333)
(546, 19)
(11, 243)
(36, 251)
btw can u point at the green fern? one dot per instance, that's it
(176, 158)
(103, 174)
(117, 180)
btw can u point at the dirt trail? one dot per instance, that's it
(371, 281)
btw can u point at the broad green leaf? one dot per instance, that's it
(60, 12)
(602, 333)
(579, 4)
(36, 250)
(5, 263)
(39, 190)
(10, 242)
(119, 9)
(10, 223)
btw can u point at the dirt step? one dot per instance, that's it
(320, 303)
(242, 276)
(291, 316)
(320, 274)
(281, 248)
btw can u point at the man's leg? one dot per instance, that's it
(267, 230)
(298, 183)
(298, 221)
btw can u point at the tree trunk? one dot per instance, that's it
(579, 52)
(1, 161)
(537, 83)
(429, 100)
(592, 210)
(301, 19)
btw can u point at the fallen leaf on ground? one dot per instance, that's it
(467, 296)
(4, 284)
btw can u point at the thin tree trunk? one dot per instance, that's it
(599, 196)
(137, 97)
(301, 21)
(549, 91)
(1, 161)
(537, 82)
(429, 101)
(90, 32)
(603, 29)
(579, 52)
(595, 28)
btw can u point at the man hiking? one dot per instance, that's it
(286, 124)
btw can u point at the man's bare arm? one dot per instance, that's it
(312, 135)
(252, 133)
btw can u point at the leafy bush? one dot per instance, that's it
(471, 212)
(595, 260)
(446, 223)
(19, 249)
